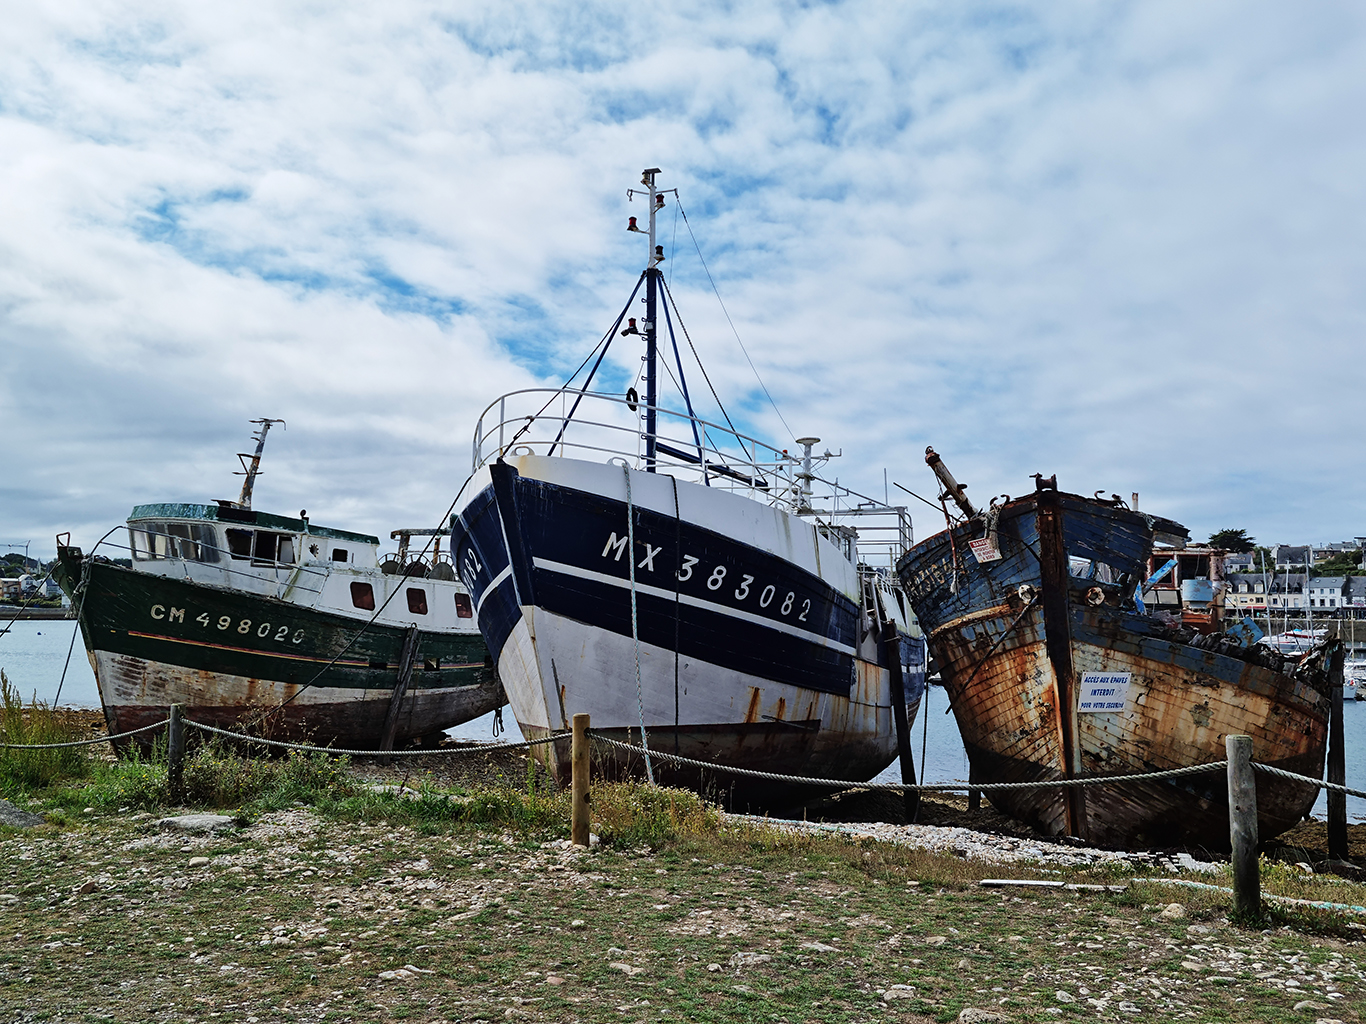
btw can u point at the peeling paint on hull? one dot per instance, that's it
(1016, 698)
(154, 641)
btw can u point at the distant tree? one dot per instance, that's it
(1231, 540)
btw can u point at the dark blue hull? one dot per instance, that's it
(747, 657)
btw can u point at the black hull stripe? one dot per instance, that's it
(703, 635)
(692, 602)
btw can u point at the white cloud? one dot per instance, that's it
(1122, 244)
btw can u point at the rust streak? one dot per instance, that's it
(752, 715)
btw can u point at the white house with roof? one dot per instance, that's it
(1326, 593)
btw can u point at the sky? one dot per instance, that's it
(1120, 243)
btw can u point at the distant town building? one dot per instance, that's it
(1285, 556)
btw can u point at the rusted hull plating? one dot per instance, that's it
(1013, 641)
(136, 693)
(233, 659)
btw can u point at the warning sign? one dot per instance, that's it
(1103, 691)
(985, 550)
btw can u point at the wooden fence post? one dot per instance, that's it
(1242, 828)
(175, 756)
(1337, 760)
(579, 798)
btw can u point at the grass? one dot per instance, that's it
(36, 723)
(318, 916)
(327, 893)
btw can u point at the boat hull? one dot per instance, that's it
(235, 659)
(1015, 642)
(751, 648)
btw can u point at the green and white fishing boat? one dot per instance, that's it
(249, 619)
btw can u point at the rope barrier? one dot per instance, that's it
(84, 743)
(1282, 773)
(946, 787)
(482, 749)
(939, 787)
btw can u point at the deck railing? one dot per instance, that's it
(602, 427)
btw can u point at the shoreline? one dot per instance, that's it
(16, 614)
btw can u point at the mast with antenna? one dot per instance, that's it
(252, 469)
(655, 200)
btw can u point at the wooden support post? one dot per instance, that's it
(1337, 760)
(892, 653)
(406, 660)
(1242, 828)
(579, 797)
(175, 756)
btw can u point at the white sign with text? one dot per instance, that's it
(1103, 691)
(985, 550)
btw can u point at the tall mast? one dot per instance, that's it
(253, 468)
(656, 256)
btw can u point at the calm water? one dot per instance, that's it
(32, 654)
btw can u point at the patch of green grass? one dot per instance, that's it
(36, 722)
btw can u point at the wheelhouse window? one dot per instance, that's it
(263, 547)
(363, 596)
(340, 555)
(463, 607)
(417, 600)
(195, 542)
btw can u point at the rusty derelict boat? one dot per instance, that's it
(270, 622)
(667, 574)
(1054, 671)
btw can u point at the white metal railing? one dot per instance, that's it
(595, 426)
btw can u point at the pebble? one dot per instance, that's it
(195, 822)
(577, 923)
(1173, 912)
(749, 959)
(979, 846)
(628, 969)
(819, 947)
(198, 862)
(972, 1015)
(1064, 997)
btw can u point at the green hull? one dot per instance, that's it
(228, 656)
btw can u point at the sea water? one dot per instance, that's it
(33, 653)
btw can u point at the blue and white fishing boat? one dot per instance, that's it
(684, 584)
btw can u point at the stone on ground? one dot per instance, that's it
(196, 822)
(16, 817)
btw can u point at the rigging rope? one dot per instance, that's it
(732, 323)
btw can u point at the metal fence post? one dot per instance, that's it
(1242, 827)
(175, 755)
(578, 759)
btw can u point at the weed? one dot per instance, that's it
(37, 723)
(633, 814)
